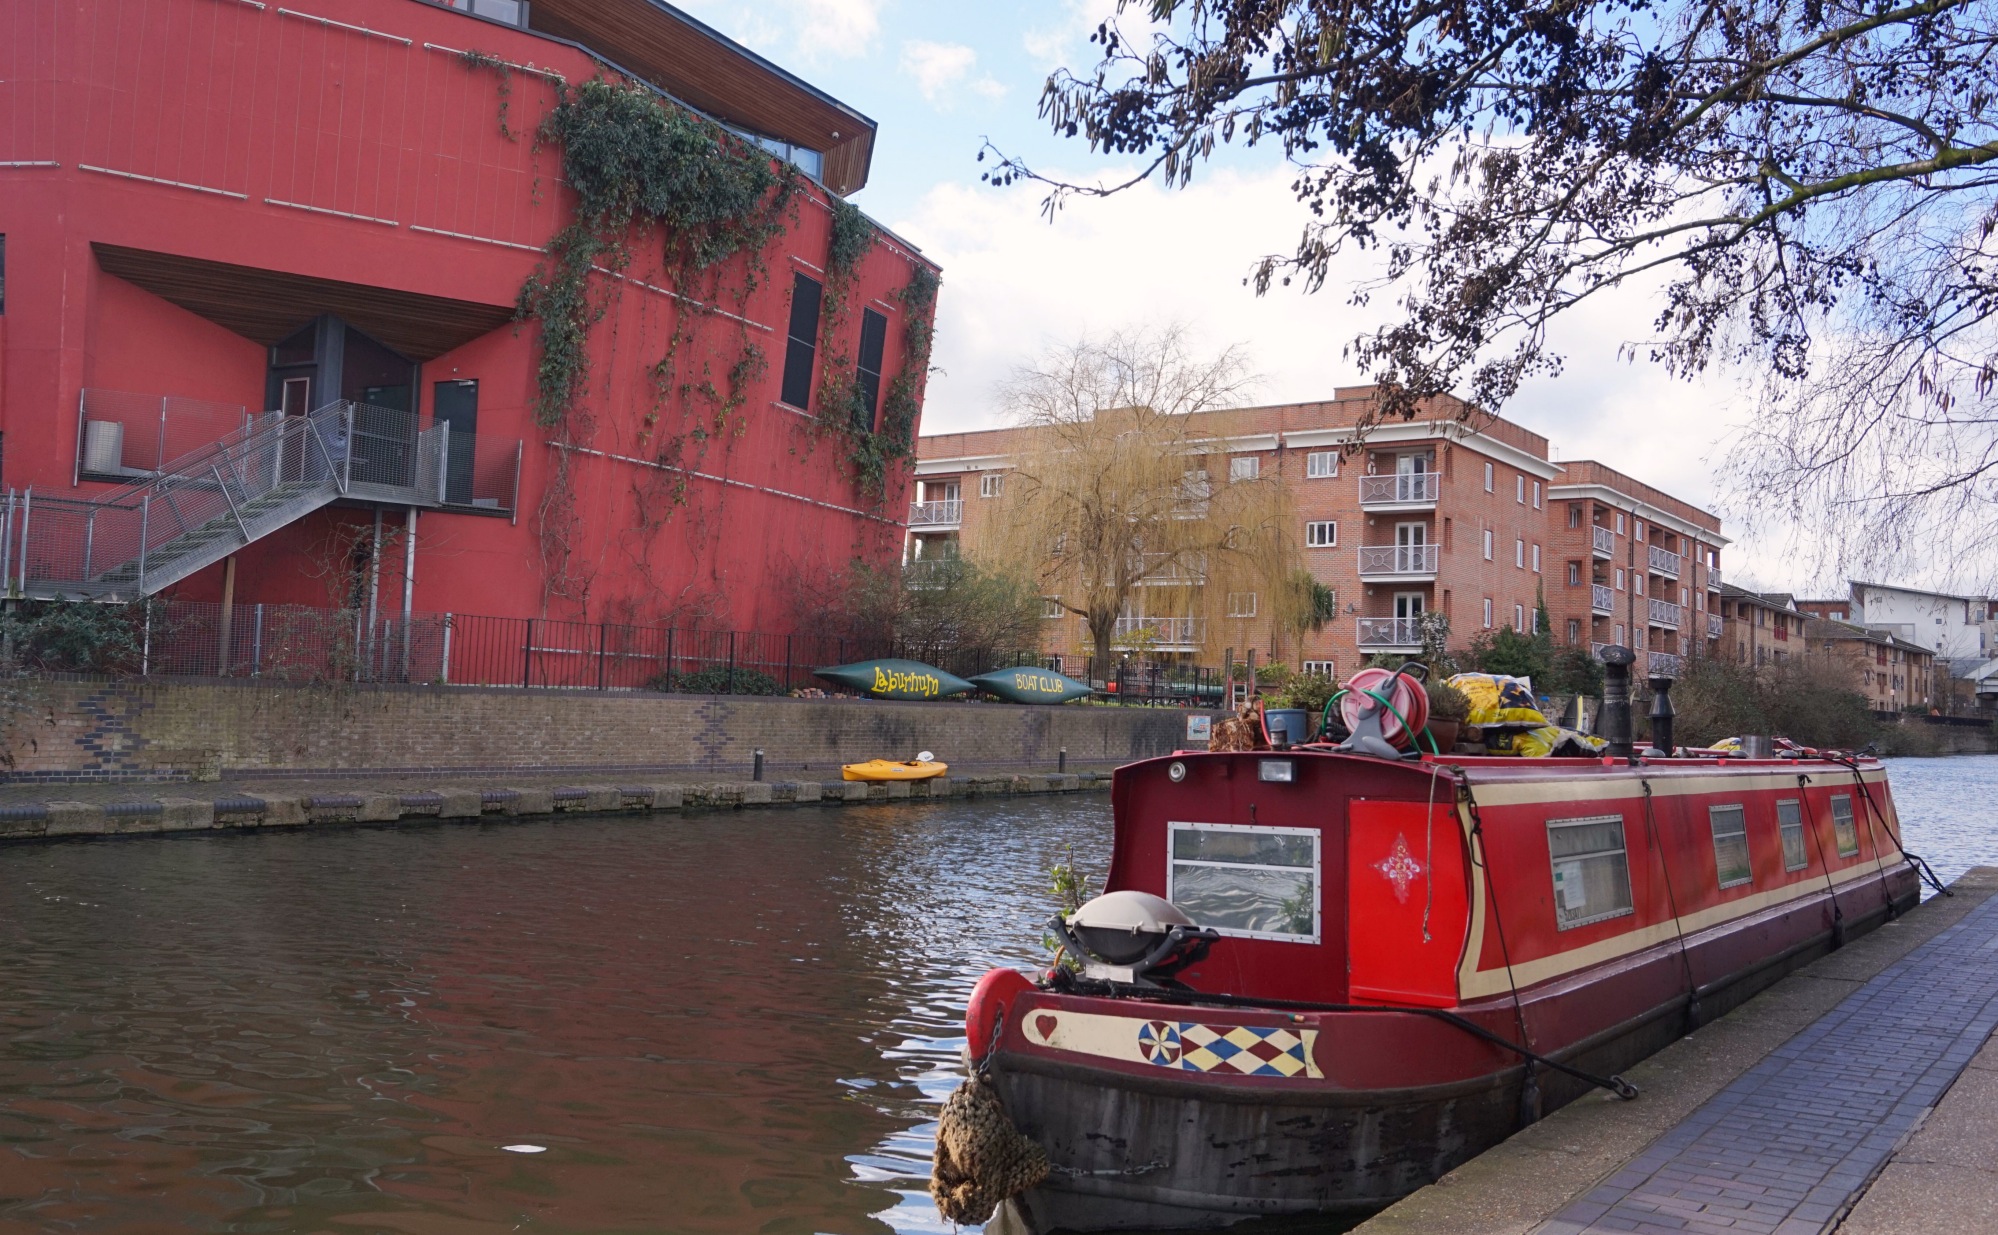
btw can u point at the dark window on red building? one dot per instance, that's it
(873, 341)
(801, 348)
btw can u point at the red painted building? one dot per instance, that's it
(261, 265)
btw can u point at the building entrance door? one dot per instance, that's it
(456, 404)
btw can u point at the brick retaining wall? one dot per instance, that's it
(94, 729)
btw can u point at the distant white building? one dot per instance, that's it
(1956, 628)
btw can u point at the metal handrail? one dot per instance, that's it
(1398, 559)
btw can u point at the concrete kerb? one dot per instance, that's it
(1516, 1186)
(63, 819)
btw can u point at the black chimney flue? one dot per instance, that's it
(1616, 699)
(1661, 716)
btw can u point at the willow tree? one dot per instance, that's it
(1812, 183)
(1120, 482)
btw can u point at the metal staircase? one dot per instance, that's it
(144, 536)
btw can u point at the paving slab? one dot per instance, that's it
(1519, 1185)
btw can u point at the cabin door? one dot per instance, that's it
(1407, 902)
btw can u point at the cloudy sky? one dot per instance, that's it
(939, 79)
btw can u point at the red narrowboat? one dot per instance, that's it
(1340, 975)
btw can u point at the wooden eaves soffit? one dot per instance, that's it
(708, 70)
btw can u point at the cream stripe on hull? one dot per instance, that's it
(1476, 983)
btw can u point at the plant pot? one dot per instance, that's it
(1444, 734)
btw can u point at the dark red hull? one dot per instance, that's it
(1172, 1115)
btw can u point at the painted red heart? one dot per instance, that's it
(1045, 1023)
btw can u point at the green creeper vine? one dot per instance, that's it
(486, 60)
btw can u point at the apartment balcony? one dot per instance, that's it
(1172, 570)
(1663, 665)
(1713, 625)
(1665, 562)
(1664, 613)
(1164, 634)
(1398, 563)
(1601, 599)
(937, 516)
(1605, 541)
(1390, 634)
(1713, 578)
(1401, 491)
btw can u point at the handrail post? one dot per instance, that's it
(527, 654)
(669, 658)
(603, 634)
(731, 662)
(145, 534)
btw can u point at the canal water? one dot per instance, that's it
(731, 1023)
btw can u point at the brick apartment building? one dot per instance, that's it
(1469, 518)
(1893, 673)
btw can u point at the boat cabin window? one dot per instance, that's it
(1730, 826)
(1790, 822)
(1255, 882)
(1591, 869)
(1842, 825)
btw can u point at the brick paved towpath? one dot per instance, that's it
(1786, 1148)
(1837, 1100)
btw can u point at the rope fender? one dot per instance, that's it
(981, 1158)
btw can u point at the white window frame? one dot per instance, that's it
(1488, 613)
(1519, 618)
(1536, 559)
(1317, 873)
(1244, 467)
(1321, 668)
(1490, 540)
(1536, 495)
(1321, 534)
(1785, 827)
(1555, 862)
(1519, 488)
(1619, 579)
(1489, 478)
(1235, 604)
(1619, 523)
(992, 484)
(1321, 465)
(1519, 553)
(1051, 608)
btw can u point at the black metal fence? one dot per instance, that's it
(304, 643)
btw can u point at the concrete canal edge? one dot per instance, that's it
(54, 820)
(1516, 1186)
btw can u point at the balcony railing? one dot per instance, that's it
(1714, 577)
(1713, 625)
(1390, 632)
(1164, 632)
(1168, 569)
(1401, 489)
(123, 436)
(1665, 562)
(1602, 600)
(1663, 664)
(1397, 560)
(1605, 541)
(946, 513)
(1664, 613)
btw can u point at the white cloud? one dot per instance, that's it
(1063, 43)
(812, 30)
(940, 69)
(1013, 282)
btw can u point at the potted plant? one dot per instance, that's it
(1449, 708)
(1300, 703)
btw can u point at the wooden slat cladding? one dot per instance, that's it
(698, 66)
(268, 305)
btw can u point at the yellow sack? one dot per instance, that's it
(1552, 742)
(1499, 700)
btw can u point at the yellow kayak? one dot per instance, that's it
(888, 769)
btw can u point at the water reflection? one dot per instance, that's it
(736, 1023)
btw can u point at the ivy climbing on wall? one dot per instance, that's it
(654, 181)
